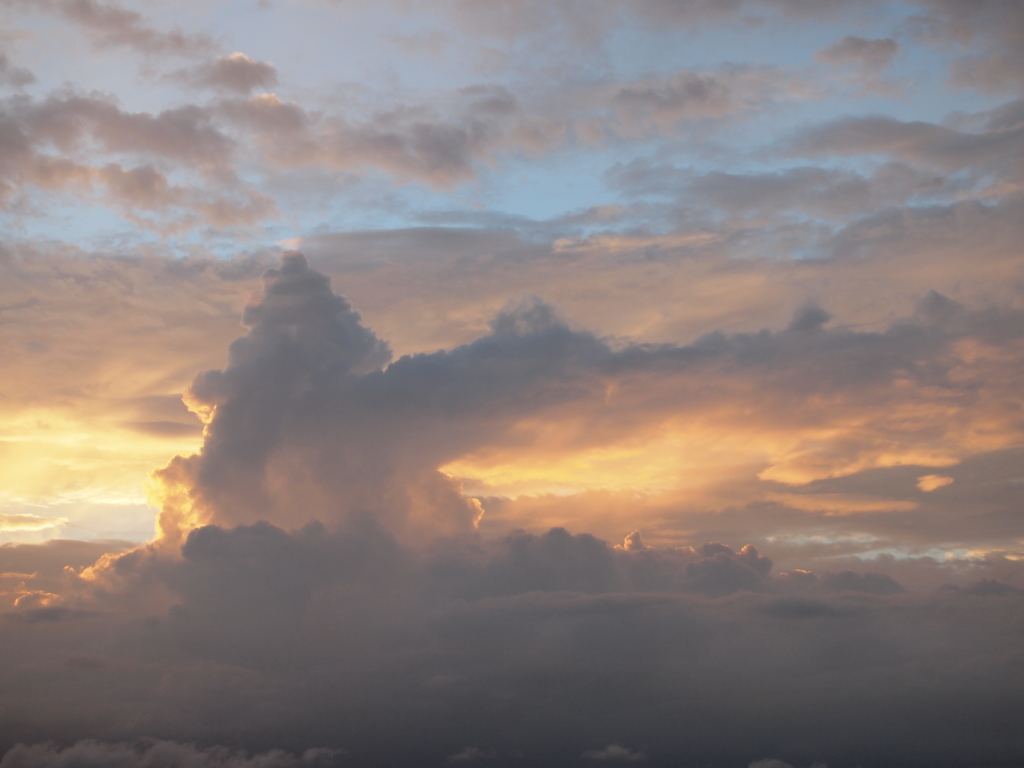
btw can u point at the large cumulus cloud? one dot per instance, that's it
(304, 423)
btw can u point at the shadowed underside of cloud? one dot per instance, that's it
(537, 650)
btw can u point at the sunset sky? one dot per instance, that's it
(511, 382)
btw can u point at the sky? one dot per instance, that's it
(511, 383)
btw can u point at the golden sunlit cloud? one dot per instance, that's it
(928, 483)
(29, 523)
(840, 504)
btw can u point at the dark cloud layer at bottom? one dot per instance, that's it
(534, 650)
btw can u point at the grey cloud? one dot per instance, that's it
(407, 143)
(871, 583)
(861, 62)
(720, 571)
(810, 317)
(32, 570)
(347, 639)
(490, 99)
(471, 755)
(52, 144)
(143, 186)
(685, 93)
(442, 153)
(1009, 115)
(659, 105)
(615, 753)
(798, 608)
(993, 30)
(991, 587)
(157, 754)
(873, 55)
(588, 23)
(748, 200)
(13, 76)
(111, 26)
(267, 116)
(442, 144)
(236, 72)
(67, 122)
(915, 142)
(184, 133)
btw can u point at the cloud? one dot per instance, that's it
(863, 62)
(923, 143)
(281, 635)
(763, 201)
(110, 25)
(928, 483)
(69, 322)
(870, 583)
(157, 753)
(535, 407)
(470, 755)
(236, 72)
(13, 76)
(652, 429)
(446, 142)
(989, 35)
(52, 145)
(786, 375)
(320, 582)
(29, 522)
(614, 752)
(689, 95)
(872, 55)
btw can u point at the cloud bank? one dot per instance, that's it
(318, 582)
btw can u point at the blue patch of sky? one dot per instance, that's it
(354, 46)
